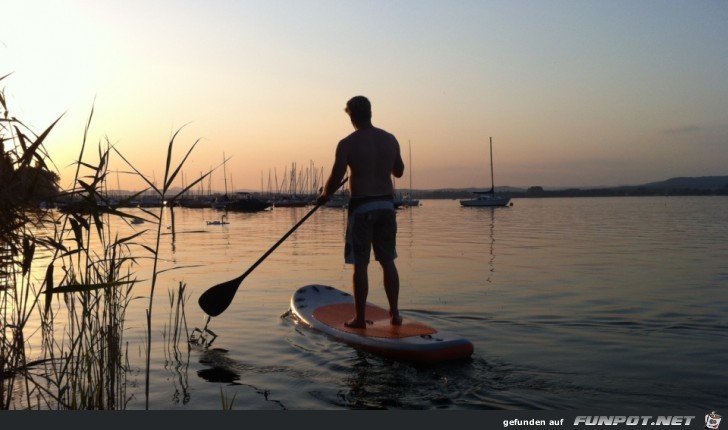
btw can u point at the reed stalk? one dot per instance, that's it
(24, 180)
(83, 359)
(176, 333)
(164, 194)
(83, 330)
(67, 278)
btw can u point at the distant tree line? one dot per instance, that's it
(631, 191)
(540, 192)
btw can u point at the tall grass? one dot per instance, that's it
(23, 175)
(83, 334)
(77, 305)
(164, 194)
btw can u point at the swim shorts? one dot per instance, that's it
(371, 224)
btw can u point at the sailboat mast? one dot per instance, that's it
(492, 182)
(224, 173)
(410, 167)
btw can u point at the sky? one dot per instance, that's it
(578, 93)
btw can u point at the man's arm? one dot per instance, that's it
(398, 169)
(336, 175)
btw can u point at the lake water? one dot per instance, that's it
(570, 304)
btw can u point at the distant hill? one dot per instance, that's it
(682, 186)
(704, 185)
(697, 183)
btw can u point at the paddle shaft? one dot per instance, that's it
(277, 244)
(215, 300)
(285, 236)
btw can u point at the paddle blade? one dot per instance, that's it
(215, 300)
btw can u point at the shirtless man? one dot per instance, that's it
(372, 155)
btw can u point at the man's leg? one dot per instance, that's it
(361, 292)
(391, 287)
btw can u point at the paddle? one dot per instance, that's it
(216, 299)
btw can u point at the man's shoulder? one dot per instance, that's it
(383, 131)
(363, 135)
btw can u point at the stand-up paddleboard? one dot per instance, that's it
(326, 308)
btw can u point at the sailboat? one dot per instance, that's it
(487, 198)
(407, 200)
(241, 201)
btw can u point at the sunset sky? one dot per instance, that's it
(574, 93)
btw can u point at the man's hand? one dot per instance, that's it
(322, 199)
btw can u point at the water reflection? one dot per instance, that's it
(376, 383)
(491, 260)
(178, 366)
(223, 369)
(371, 386)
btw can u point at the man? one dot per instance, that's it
(372, 155)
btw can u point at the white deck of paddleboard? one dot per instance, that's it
(438, 346)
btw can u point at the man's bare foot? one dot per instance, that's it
(357, 323)
(396, 319)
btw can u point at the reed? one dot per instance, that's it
(176, 335)
(164, 194)
(86, 291)
(77, 305)
(24, 180)
(177, 323)
(226, 401)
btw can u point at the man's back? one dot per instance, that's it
(373, 155)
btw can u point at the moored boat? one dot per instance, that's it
(408, 201)
(242, 202)
(487, 198)
(290, 202)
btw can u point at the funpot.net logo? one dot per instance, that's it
(712, 420)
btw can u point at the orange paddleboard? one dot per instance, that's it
(326, 308)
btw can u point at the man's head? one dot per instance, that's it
(359, 110)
